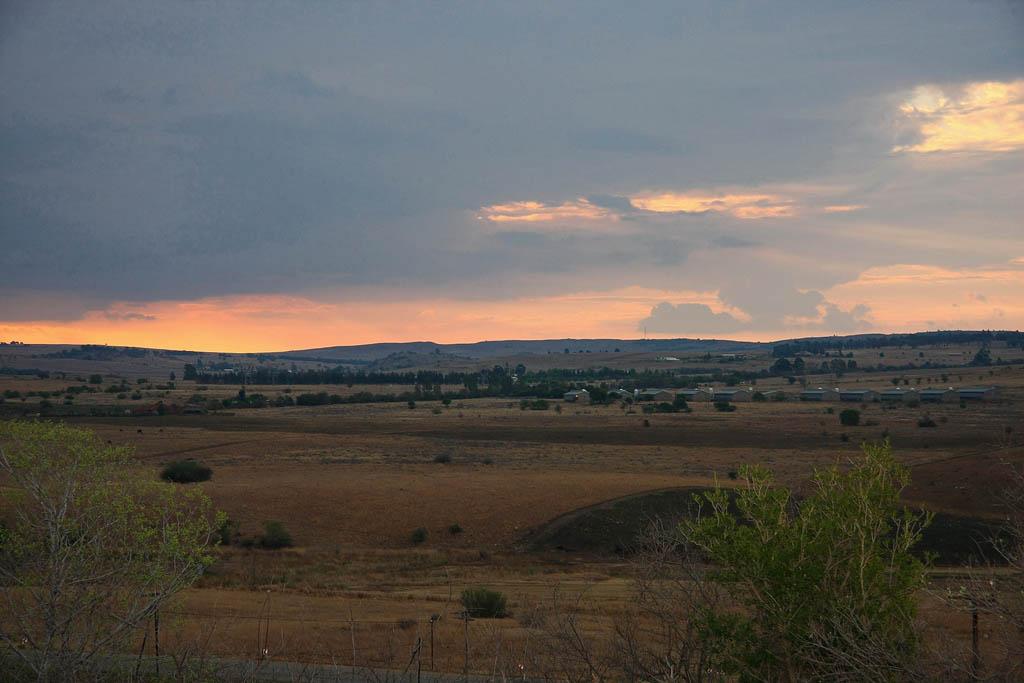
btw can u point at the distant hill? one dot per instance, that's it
(366, 353)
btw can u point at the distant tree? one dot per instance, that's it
(189, 373)
(849, 417)
(782, 366)
(172, 376)
(982, 357)
(96, 379)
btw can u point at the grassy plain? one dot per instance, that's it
(352, 482)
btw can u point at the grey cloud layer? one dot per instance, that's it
(156, 151)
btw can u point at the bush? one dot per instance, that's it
(228, 532)
(455, 529)
(825, 572)
(484, 603)
(724, 406)
(849, 417)
(275, 536)
(443, 458)
(419, 536)
(926, 421)
(411, 405)
(536, 404)
(186, 472)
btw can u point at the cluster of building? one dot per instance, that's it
(739, 394)
(900, 395)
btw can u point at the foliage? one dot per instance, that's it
(724, 406)
(419, 535)
(926, 421)
(827, 584)
(186, 472)
(536, 404)
(983, 356)
(275, 536)
(90, 550)
(483, 603)
(849, 417)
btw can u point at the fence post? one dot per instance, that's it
(433, 620)
(975, 651)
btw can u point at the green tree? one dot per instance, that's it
(91, 550)
(850, 417)
(982, 357)
(827, 584)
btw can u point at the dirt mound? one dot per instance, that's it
(615, 527)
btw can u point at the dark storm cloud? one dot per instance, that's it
(160, 151)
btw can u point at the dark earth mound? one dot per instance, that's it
(614, 528)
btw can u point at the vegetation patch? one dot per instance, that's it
(484, 603)
(186, 472)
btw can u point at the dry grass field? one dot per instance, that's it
(352, 482)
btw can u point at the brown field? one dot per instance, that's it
(352, 482)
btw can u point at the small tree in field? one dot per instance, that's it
(850, 417)
(91, 550)
(827, 584)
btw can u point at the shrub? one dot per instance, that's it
(724, 406)
(849, 417)
(95, 379)
(186, 472)
(484, 603)
(228, 532)
(812, 579)
(455, 529)
(830, 411)
(419, 536)
(443, 458)
(275, 536)
(926, 421)
(411, 404)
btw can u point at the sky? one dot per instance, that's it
(256, 176)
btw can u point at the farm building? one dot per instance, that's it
(940, 395)
(819, 394)
(978, 393)
(656, 395)
(620, 393)
(577, 396)
(733, 395)
(858, 395)
(897, 395)
(772, 394)
(702, 394)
